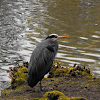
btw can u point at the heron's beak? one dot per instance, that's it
(62, 37)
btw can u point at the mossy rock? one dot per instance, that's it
(54, 95)
(19, 81)
(20, 77)
(78, 98)
(70, 69)
(57, 72)
(60, 72)
(75, 71)
(63, 98)
(84, 73)
(22, 72)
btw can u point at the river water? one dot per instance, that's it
(24, 23)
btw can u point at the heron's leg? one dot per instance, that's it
(40, 86)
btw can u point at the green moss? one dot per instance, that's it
(84, 73)
(12, 81)
(78, 98)
(60, 72)
(73, 83)
(63, 98)
(56, 95)
(57, 72)
(21, 88)
(36, 99)
(93, 77)
(21, 72)
(19, 81)
(85, 84)
(18, 97)
(91, 82)
(20, 77)
(52, 95)
(70, 69)
(5, 92)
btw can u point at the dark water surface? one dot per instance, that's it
(24, 23)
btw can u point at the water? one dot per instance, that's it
(24, 23)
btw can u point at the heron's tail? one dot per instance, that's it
(31, 80)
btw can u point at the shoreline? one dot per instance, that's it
(73, 82)
(70, 86)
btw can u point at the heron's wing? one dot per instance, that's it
(40, 62)
(50, 48)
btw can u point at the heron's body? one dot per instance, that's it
(41, 61)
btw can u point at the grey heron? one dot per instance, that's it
(42, 59)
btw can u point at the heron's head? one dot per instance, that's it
(55, 36)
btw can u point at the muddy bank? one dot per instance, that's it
(72, 82)
(71, 86)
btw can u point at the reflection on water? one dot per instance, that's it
(24, 23)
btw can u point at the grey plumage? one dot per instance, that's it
(41, 60)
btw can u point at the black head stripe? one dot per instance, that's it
(52, 36)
